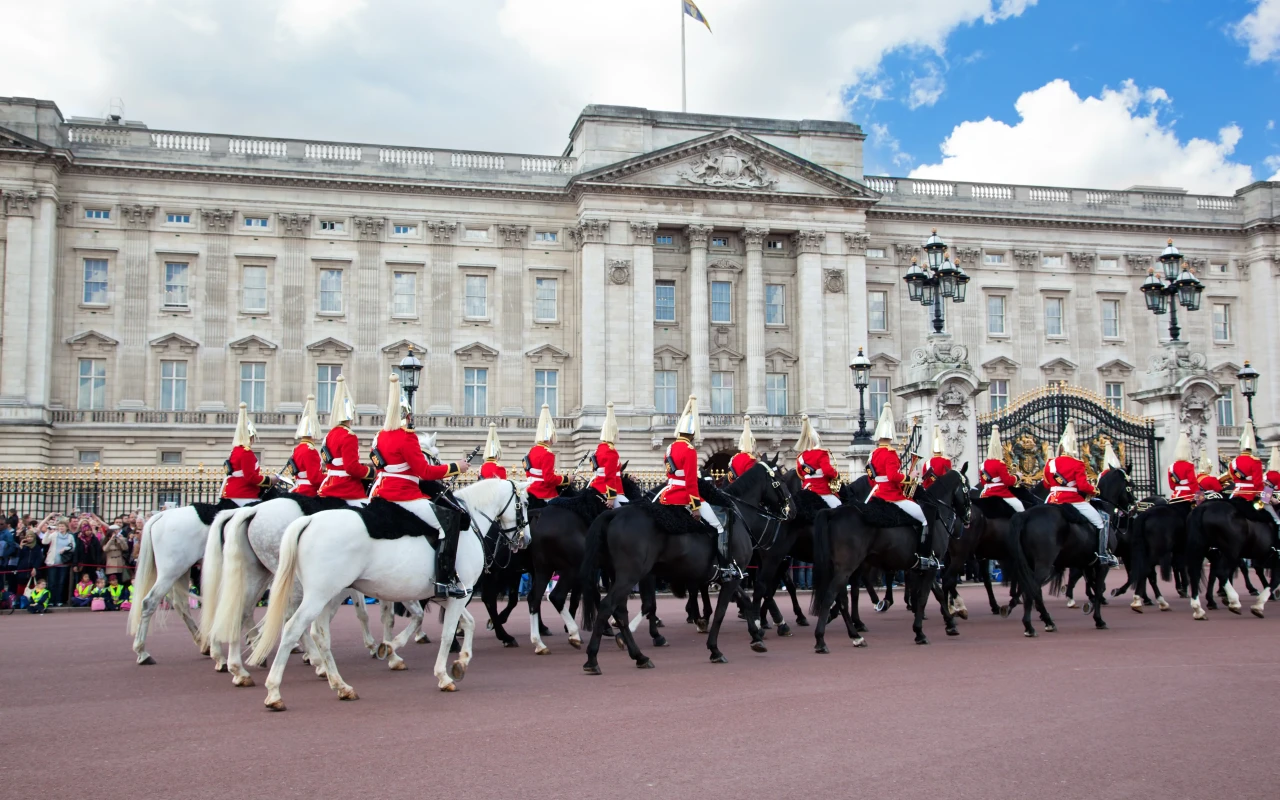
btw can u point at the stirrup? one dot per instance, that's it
(925, 563)
(1107, 560)
(450, 589)
(730, 571)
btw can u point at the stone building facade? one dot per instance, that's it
(153, 279)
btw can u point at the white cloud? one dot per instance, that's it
(1111, 141)
(1273, 162)
(491, 74)
(926, 89)
(881, 139)
(1260, 29)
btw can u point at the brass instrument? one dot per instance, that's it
(910, 449)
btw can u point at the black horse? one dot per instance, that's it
(1115, 490)
(845, 539)
(1156, 537)
(988, 531)
(633, 542)
(1226, 531)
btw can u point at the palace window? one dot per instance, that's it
(1227, 406)
(1218, 269)
(253, 385)
(477, 297)
(326, 385)
(1115, 395)
(255, 289)
(664, 391)
(1111, 319)
(330, 291)
(877, 311)
(722, 393)
(1109, 263)
(547, 237)
(171, 458)
(875, 252)
(777, 244)
(999, 391)
(404, 230)
(1222, 322)
(1053, 316)
(878, 396)
(97, 213)
(93, 384)
(995, 314)
(664, 239)
(173, 386)
(775, 393)
(544, 299)
(95, 281)
(255, 222)
(775, 302)
(721, 302)
(178, 219)
(89, 457)
(475, 391)
(476, 234)
(719, 241)
(332, 225)
(175, 285)
(664, 301)
(546, 389)
(404, 301)
(1051, 261)
(993, 259)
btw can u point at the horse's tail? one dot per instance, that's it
(1019, 567)
(225, 626)
(822, 566)
(281, 592)
(1137, 563)
(211, 575)
(1166, 568)
(145, 577)
(678, 590)
(589, 573)
(1055, 582)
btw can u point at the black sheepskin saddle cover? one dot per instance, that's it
(311, 505)
(677, 520)
(711, 494)
(994, 508)
(808, 504)
(386, 520)
(207, 511)
(1246, 510)
(1073, 517)
(882, 514)
(588, 505)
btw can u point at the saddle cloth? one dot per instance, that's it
(207, 511)
(587, 504)
(881, 514)
(386, 520)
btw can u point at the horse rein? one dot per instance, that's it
(514, 535)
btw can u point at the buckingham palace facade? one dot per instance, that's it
(153, 279)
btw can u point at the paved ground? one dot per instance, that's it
(1158, 706)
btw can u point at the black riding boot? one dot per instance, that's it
(1105, 557)
(727, 569)
(925, 561)
(447, 584)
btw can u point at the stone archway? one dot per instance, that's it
(717, 462)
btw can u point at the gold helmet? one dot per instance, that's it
(747, 441)
(884, 427)
(689, 424)
(546, 430)
(492, 447)
(1205, 465)
(995, 450)
(342, 407)
(308, 422)
(398, 408)
(245, 432)
(1248, 441)
(1068, 446)
(609, 430)
(1182, 450)
(808, 436)
(937, 440)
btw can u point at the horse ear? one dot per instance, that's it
(623, 468)
(964, 469)
(1128, 466)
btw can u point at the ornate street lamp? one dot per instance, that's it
(1248, 378)
(410, 369)
(861, 378)
(940, 280)
(1174, 285)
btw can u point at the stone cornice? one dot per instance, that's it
(1158, 227)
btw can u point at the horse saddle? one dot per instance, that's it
(207, 511)
(586, 504)
(679, 521)
(994, 507)
(808, 504)
(312, 505)
(882, 514)
(1250, 512)
(386, 520)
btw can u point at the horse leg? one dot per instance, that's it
(649, 609)
(852, 616)
(1095, 584)
(918, 587)
(728, 590)
(1225, 576)
(887, 603)
(362, 614)
(943, 595)
(1248, 584)
(513, 597)
(452, 614)
(604, 611)
(1155, 590)
(324, 642)
(536, 588)
(788, 580)
(235, 655)
(150, 603)
(984, 569)
(1073, 577)
(624, 632)
(394, 661)
(418, 615)
(308, 610)
(489, 596)
(566, 614)
(706, 605)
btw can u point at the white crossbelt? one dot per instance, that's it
(817, 473)
(337, 462)
(535, 472)
(675, 481)
(238, 474)
(882, 479)
(397, 471)
(995, 482)
(600, 471)
(337, 473)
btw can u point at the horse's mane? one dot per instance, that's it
(749, 481)
(482, 492)
(630, 489)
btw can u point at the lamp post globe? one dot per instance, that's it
(1248, 378)
(861, 367)
(410, 369)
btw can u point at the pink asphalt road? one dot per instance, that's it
(1157, 706)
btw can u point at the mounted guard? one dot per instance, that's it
(1206, 477)
(884, 468)
(1245, 470)
(1110, 461)
(540, 463)
(745, 458)
(1271, 484)
(492, 453)
(938, 465)
(346, 475)
(244, 482)
(996, 480)
(608, 478)
(1182, 473)
(1068, 484)
(305, 464)
(814, 466)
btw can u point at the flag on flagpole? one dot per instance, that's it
(691, 8)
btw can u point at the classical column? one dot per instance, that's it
(642, 315)
(589, 235)
(63, 312)
(134, 288)
(856, 296)
(296, 384)
(755, 319)
(19, 274)
(218, 224)
(812, 376)
(440, 369)
(370, 310)
(511, 324)
(699, 316)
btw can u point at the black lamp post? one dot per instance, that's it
(861, 378)
(939, 280)
(410, 369)
(1175, 284)
(1248, 377)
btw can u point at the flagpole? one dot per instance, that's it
(684, 105)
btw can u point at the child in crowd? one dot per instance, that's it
(38, 602)
(115, 592)
(83, 594)
(99, 592)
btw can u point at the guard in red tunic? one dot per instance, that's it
(745, 458)
(996, 480)
(682, 485)
(814, 466)
(492, 452)
(938, 465)
(1068, 484)
(884, 468)
(401, 465)
(1271, 484)
(608, 477)
(1209, 482)
(540, 463)
(244, 482)
(1182, 473)
(1110, 461)
(305, 465)
(1245, 469)
(346, 475)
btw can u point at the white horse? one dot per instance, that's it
(337, 552)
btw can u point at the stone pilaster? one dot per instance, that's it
(589, 235)
(440, 359)
(29, 269)
(370, 309)
(135, 287)
(755, 367)
(809, 284)
(296, 382)
(213, 357)
(511, 379)
(64, 283)
(699, 316)
(642, 315)
(855, 245)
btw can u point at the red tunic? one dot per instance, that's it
(307, 469)
(1182, 480)
(1066, 480)
(244, 481)
(816, 470)
(885, 471)
(345, 470)
(996, 480)
(608, 481)
(405, 466)
(1246, 471)
(1210, 483)
(936, 468)
(682, 474)
(540, 466)
(1272, 479)
(739, 465)
(492, 469)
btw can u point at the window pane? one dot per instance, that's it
(326, 385)
(546, 389)
(405, 294)
(1051, 261)
(1227, 406)
(875, 252)
(1111, 318)
(1221, 322)
(721, 301)
(1115, 395)
(877, 311)
(1053, 316)
(775, 393)
(175, 284)
(253, 385)
(330, 291)
(878, 394)
(544, 299)
(255, 288)
(775, 295)
(722, 393)
(475, 388)
(664, 301)
(995, 314)
(173, 386)
(477, 296)
(661, 239)
(999, 394)
(664, 391)
(95, 280)
(993, 258)
(93, 383)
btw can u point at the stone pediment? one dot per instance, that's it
(12, 140)
(91, 339)
(401, 348)
(726, 162)
(176, 342)
(1059, 368)
(778, 360)
(1225, 372)
(884, 361)
(666, 357)
(547, 352)
(1001, 367)
(476, 351)
(725, 358)
(329, 344)
(1115, 368)
(257, 343)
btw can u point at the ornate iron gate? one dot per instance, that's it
(1031, 427)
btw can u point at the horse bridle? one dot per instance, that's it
(514, 534)
(772, 520)
(955, 515)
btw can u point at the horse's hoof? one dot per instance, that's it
(996, 610)
(821, 649)
(575, 642)
(458, 670)
(657, 623)
(383, 651)
(510, 643)
(784, 629)
(348, 693)
(1071, 603)
(1104, 601)
(922, 640)
(242, 680)
(759, 647)
(881, 607)
(1257, 612)
(1253, 592)
(1211, 606)
(1137, 608)
(277, 705)
(1003, 611)
(541, 650)
(147, 662)
(858, 641)
(1100, 625)
(1275, 593)
(953, 631)
(660, 641)
(858, 627)
(422, 638)
(803, 622)
(397, 666)
(689, 620)
(1234, 610)
(488, 625)
(1087, 608)
(608, 631)
(1050, 628)
(701, 625)
(719, 658)
(220, 666)
(622, 643)
(1199, 614)
(591, 669)
(1182, 593)
(1029, 634)
(963, 613)
(1164, 605)
(205, 649)
(646, 664)
(449, 687)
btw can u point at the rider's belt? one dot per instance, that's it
(882, 479)
(239, 473)
(600, 471)
(337, 462)
(995, 481)
(337, 473)
(675, 481)
(1059, 489)
(809, 471)
(534, 471)
(398, 471)
(302, 481)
